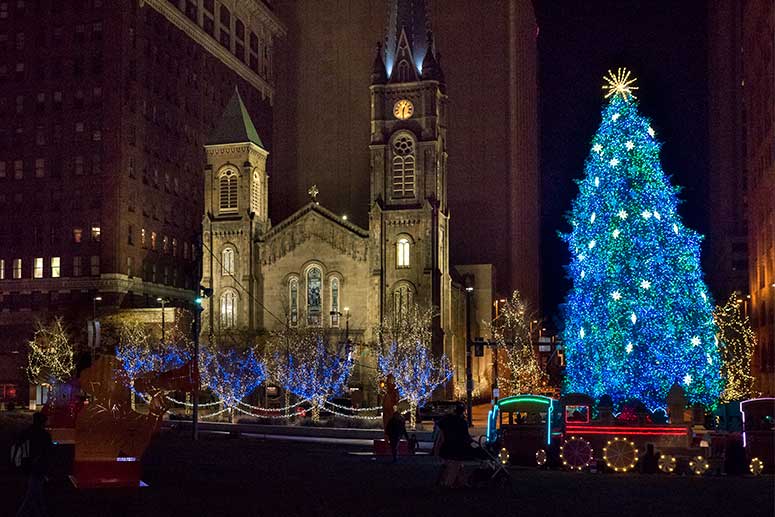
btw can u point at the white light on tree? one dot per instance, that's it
(615, 117)
(651, 132)
(591, 244)
(614, 162)
(597, 148)
(629, 145)
(616, 233)
(645, 214)
(687, 379)
(645, 284)
(695, 341)
(597, 181)
(592, 217)
(616, 295)
(633, 318)
(622, 214)
(628, 348)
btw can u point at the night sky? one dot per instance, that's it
(664, 44)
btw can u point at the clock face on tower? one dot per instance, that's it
(403, 109)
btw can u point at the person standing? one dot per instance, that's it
(36, 464)
(395, 429)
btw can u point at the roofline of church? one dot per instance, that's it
(235, 144)
(314, 206)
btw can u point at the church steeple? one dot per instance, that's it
(408, 19)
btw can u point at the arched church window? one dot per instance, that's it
(227, 262)
(293, 297)
(255, 193)
(403, 250)
(228, 191)
(402, 298)
(229, 309)
(403, 166)
(335, 302)
(314, 305)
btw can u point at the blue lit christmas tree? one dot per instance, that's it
(639, 317)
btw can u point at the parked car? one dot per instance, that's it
(436, 409)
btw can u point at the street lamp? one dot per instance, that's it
(162, 301)
(94, 307)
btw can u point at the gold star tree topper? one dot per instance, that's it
(620, 83)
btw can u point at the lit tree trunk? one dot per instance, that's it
(132, 402)
(316, 412)
(413, 414)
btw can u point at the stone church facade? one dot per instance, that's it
(317, 269)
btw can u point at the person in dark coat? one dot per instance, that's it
(453, 446)
(395, 429)
(35, 465)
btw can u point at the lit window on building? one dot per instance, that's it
(56, 270)
(165, 244)
(403, 167)
(335, 302)
(229, 309)
(293, 296)
(314, 305)
(95, 265)
(2, 269)
(37, 267)
(402, 298)
(95, 233)
(153, 241)
(228, 191)
(17, 268)
(403, 252)
(77, 235)
(227, 262)
(142, 237)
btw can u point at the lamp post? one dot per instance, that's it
(162, 301)
(94, 307)
(469, 374)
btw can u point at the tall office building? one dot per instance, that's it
(758, 46)
(726, 246)
(488, 54)
(106, 107)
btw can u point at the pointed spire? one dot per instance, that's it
(410, 17)
(235, 125)
(378, 73)
(430, 67)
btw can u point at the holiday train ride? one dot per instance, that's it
(577, 433)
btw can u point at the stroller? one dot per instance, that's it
(491, 470)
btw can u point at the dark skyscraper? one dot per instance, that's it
(105, 109)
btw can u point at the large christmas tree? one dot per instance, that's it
(639, 317)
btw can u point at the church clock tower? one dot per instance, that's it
(409, 218)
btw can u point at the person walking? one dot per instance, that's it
(395, 429)
(37, 441)
(453, 447)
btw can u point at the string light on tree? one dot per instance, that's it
(738, 343)
(511, 329)
(408, 357)
(662, 313)
(50, 358)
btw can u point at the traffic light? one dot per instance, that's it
(204, 292)
(479, 347)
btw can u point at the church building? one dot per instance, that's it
(316, 268)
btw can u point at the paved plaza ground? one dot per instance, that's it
(227, 476)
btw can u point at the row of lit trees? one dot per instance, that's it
(304, 362)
